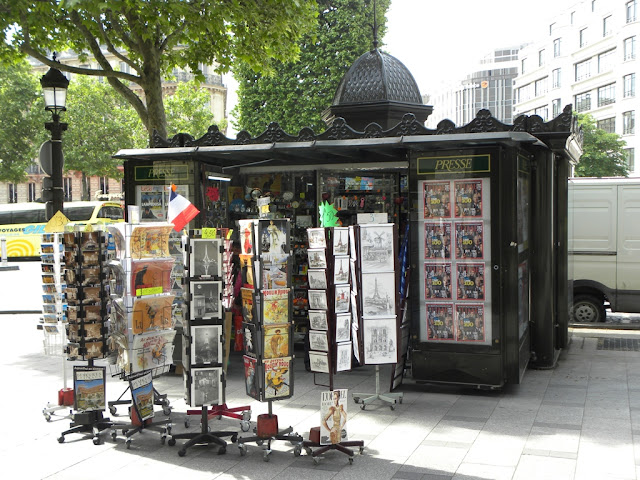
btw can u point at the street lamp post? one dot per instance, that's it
(54, 87)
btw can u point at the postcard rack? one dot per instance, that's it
(86, 328)
(333, 312)
(267, 325)
(142, 324)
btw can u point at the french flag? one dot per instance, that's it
(181, 211)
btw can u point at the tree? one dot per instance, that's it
(153, 37)
(603, 153)
(23, 114)
(188, 110)
(296, 93)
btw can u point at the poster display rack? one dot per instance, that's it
(267, 325)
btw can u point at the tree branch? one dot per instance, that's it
(114, 51)
(126, 39)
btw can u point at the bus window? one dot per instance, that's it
(112, 213)
(5, 218)
(27, 216)
(78, 214)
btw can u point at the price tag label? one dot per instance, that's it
(209, 232)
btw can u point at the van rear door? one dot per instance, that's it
(628, 272)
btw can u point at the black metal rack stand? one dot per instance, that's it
(204, 437)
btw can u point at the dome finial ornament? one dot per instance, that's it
(375, 27)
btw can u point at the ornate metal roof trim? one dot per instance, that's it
(563, 125)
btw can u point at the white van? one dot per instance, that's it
(604, 246)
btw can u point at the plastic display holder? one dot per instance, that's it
(364, 399)
(204, 437)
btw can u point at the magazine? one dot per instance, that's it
(275, 306)
(437, 240)
(437, 281)
(469, 240)
(276, 341)
(440, 321)
(277, 378)
(142, 395)
(468, 198)
(470, 279)
(437, 199)
(89, 388)
(152, 313)
(150, 277)
(333, 417)
(470, 323)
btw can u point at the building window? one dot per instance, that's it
(104, 185)
(606, 26)
(631, 159)
(541, 54)
(556, 78)
(629, 82)
(525, 92)
(607, 95)
(542, 112)
(31, 192)
(593, 5)
(13, 193)
(556, 47)
(67, 188)
(523, 66)
(551, 27)
(607, 124)
(583, 70)
(629, 123)
(541, 86)
(583, 102)
(573, 14)
(630, 48)
(631, 11)
(583, 37)
(556, 107)
(606, 61)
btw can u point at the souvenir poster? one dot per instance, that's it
(342, 298)
(317, 279)
(151, 313)
(277, 378)
(376, 248)
(468, 198)
(317, 299)
(273, 236)
(470, 323)
(333, 417)
(341, 272)
(151, 277)
(205, 258)
(206, 344)
(275, 306)
(378, 294)
(251, 342)
(141, 387)
(247, 234)
(340, 240)
(470, 278)
(150, 241)
(318, 341)
(206, 302)
(317, 258)
(206, 388)
(276, 341)
(343, 327)
(380, 342)
(437, 281)
(437, 199)
(152, 350)
(469, 239)
(343, 357)
(247, 267)
(275, 271)
(251, 377)
(248, 309)
(319, 362)
(437, 239)
(317, 237)
(440, 321)
(318, 320)
(89, 388)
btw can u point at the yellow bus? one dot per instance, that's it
(22, 224)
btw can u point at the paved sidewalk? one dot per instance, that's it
(577, 421)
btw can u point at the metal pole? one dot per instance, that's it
(57, 195)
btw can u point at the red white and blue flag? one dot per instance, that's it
(181, 211)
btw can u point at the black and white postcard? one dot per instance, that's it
(340, 240)
(205, 260)
(317, 237)
(341, 270)
(206, 344)
(205, 300)
(318, 341)
(376, 247)
(378, 294)
(317, 299)
(206, 388)
(343, 327)
(317, 258)
(380, 341)
(317, 278)
(319, 362)
(342, 298)
(318, 320)
(343, 357)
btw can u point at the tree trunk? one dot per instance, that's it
(152, 85)
(85, 187)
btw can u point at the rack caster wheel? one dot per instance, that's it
(171, 442)
(162, 440)
(243, 450)
(114, 435)
(168, 429)
(267, 455)
(47, 417)
(96, 440)
(400, 400)
(112, 410)
(128, 444)
(356, 399)
(392, 407)
(166, 410)
(350, 460)
(61, 439)
(362, 407)
(308, 450)
(245, 425)
(186, 423)
(259, 442)
(297, 450)
(246, 415)
(361, 450)
(234, 438)
(316, 461)
(182, 452)
(222, 450)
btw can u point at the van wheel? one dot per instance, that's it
(587, 309)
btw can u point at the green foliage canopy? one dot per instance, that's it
(153, 37)
(603, 153)
(295, 94)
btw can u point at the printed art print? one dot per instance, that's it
(340, 240)
(343, 357)
(206, 388)
(380, 342)
(317, 278)
(341, 271)
(317, 258)
(277, 378)
(273, 236)
(469, 240)
(248, 310)
(470, 278)
(206, 300)
(319, 362)
(150, 241)
(152, 313)
(276, 341)
(437, 199)
(151, 277)
(251, 342)
(440, 320)
(342, 296)
(275, 271)
(89, 388)
(251, 377)
(318, 299)
(379, 294)
(468, 198)
(275, 306)
(317, 237)
(246, 231)
(206, 344)
(437, 281)
(376, 247)
(318, 320)
(437, 240)
(470, 323)
(205, 258)
(343, 327)
(152, 350)
(318, 341)
(333, 416)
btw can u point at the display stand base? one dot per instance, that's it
(158, 399)
(136, 426)
(65, 401)
(314, 442)
(205, 437)
(364, 399)
(267, 431)
(223, 410)
(88, 422)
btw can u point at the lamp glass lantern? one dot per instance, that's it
(54, 85)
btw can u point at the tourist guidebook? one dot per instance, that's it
(142, 395)
(89, 388)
